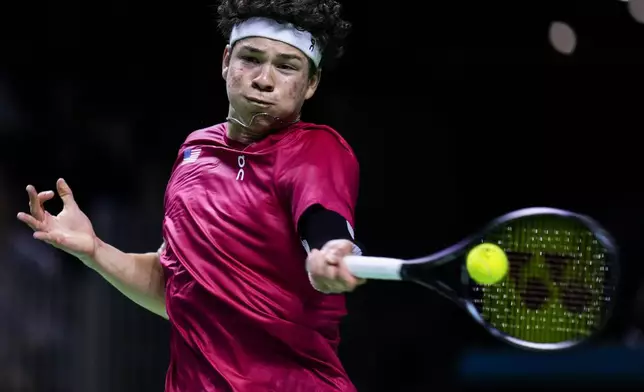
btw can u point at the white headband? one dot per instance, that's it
(287, 33)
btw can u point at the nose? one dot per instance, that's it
(264, 80)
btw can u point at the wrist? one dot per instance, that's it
(90, 259)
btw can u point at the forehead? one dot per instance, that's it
(270, 47)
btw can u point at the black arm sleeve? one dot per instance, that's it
(317, 226)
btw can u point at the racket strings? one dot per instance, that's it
(558, 287)
(576, 291)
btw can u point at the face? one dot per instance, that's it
(266, 76)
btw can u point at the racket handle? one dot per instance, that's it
(368, 267)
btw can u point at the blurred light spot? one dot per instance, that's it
(636, 8)
(562, 37)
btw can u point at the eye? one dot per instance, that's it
(287, 67)
(250, 59)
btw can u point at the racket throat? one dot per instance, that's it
(443, 279)
(444, 290)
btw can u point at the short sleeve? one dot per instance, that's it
(319, 168)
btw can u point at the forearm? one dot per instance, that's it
(138, 276)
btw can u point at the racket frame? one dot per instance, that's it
(407, 270)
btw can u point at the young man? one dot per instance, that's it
(250, 310)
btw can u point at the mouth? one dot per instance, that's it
(258, 102)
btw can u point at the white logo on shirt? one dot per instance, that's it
(241, 162)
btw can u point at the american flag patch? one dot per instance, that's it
(191, 154)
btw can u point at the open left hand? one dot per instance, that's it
(327, 269)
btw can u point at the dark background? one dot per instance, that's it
(458, 111)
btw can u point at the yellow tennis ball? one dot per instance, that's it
(487, 264)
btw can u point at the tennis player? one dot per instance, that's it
(259, 211)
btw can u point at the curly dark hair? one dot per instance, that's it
(321, 18)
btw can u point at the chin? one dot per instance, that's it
(262, 122)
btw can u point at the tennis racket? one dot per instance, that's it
(559, 290)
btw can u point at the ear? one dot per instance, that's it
(225, 63)
(314, 81)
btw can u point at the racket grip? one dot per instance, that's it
(368, 267)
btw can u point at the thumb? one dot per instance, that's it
(338, 246)
(347, 247)
(65, 192)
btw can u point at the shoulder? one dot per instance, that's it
(214, 133)
(309, 138)
(198, 138)
(316, 148)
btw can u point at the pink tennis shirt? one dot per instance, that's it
(243, 313)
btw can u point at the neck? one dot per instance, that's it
(246, 134)
(239, 134)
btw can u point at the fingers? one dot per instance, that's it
(329, 270)
(321, 272)
(335, 251)
(36, 201)
(30, 221)
(351, 280)
(319, 264)
(52, 238)
(339, 248)
(45, 196)
(315, 263)
(35, 206)
(65, 192)
(39, 229)
(329, 273)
